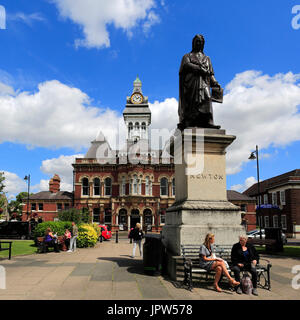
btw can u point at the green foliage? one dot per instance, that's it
(2, 178)
(87, 236)
(97, 229)
(58, 227)
(16, 205)
(78, 216)
(87, 233)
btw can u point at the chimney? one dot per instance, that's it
(54, 184)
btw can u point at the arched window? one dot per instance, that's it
(97, 187)
(108, 186)
(130, 126)
(135, 184)
(107, 216)
(137, 126)
(173, 187)
(163, 186)
(96, 215)
(123, 186)
(147, 186)
(85, 186)
(144, 126)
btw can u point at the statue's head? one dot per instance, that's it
(198, 43)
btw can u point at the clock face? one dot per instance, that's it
(136, 98)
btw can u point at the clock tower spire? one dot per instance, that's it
(137, 115)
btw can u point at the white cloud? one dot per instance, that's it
(242, 187)
(26, 18)
(61, 166)
(94, 16)
(13, 184)
(6, 89)
(260, 110)
(54, 116)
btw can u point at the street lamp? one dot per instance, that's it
(27, 178)
(253, 156)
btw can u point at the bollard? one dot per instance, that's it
(130, 240)
(101, 238)
(117, 236)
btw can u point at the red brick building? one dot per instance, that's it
(46, 204)
(280, 202)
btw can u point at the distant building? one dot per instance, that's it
(280, 202)
(46, 204)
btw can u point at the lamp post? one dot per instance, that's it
(27, 178)
(253, 156)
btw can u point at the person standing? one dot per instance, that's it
(244, 257)
(137, 235)
(73, 238)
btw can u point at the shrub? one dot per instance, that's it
(58, 227)
(87, 236)
(97, 229)
(78, 216)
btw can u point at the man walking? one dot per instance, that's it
(73, 238)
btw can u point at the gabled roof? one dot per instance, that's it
(47, 195)
(233, 195)
(267, 184)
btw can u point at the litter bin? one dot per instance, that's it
(152, 253)
(275, 234)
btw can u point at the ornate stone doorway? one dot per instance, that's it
(134, 218)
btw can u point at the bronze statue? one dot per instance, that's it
(198, 87)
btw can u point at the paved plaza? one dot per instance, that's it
(107, 272)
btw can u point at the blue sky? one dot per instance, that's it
(66, 69)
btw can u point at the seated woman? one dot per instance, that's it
(50, 241)
(209, 262)
(244, 257)
(67, 237)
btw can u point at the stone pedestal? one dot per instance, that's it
(201, 204)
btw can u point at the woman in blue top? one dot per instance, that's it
(209, 262)
(49, 241)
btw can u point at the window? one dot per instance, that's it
(144, 126)
(96, 215)
(59, 206)
(135, 184)
(162, 217)
(147, 182)
(108, 186)
(283, 222)
(173, 187)
(97, 187)
(41, 206)
(85, 186)
(123, 186)
(137, 126)
(267, 222)
(275, 221)
(274, 198)
(33, 206)
(243, 207)
(130, 126)
(107, 216)
(67, 206)
(164, 187)
(266, 200)
(282, 197)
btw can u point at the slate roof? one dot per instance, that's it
(237, 196)
(47, 195)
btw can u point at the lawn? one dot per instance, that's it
(289, 251)
(19, 247)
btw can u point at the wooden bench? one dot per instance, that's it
(190, 254)
(262, 242)
(5, 248)
(40, 244)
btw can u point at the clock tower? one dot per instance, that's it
(137, 116)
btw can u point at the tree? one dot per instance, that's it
(2, 185)
(78, 216)
(16, 206)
